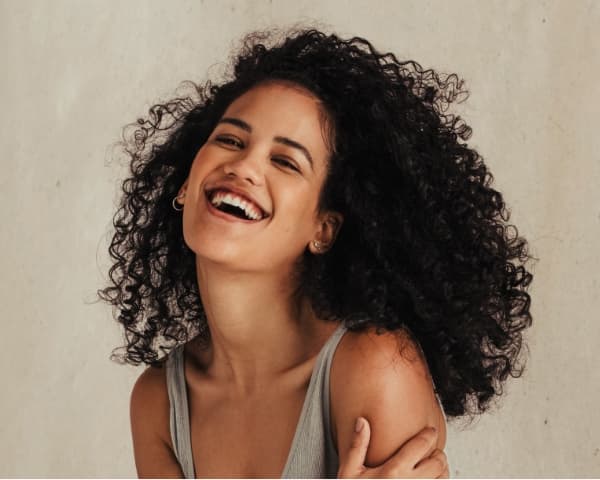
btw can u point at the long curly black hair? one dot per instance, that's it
(425, 245)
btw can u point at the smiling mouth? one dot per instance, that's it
(235, 206)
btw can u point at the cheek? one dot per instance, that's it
(297, 216)
(200, 169)
(198, 164)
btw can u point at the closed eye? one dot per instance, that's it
(285, 163)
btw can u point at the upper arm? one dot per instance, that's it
(149, 414)
(384, 379)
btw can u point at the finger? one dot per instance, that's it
(418, 448)
(432, 467)
(354, 464)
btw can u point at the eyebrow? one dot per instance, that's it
(283, 140)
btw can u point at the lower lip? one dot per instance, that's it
(226, 216)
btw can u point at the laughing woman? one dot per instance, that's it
(309, 243)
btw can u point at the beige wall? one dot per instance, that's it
(74, 72)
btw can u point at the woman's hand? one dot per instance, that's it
(417, 458)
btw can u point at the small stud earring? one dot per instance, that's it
(317, 244)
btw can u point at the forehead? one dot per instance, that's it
(284, 109)
(277, 92)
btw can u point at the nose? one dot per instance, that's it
(248, 165)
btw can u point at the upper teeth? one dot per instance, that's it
(233, 199)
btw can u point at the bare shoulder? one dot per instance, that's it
(384, 378)
(152, 379)
(149, 396)
(149, 414)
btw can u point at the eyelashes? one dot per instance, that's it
(230, 141)
(236, 143)
(283, 161)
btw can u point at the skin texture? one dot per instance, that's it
(149, 415)
(418, 458)
(252, 378)
(384, 379)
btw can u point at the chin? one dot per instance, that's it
(211, 247)
(229, 254)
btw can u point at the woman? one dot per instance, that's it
(308, 244)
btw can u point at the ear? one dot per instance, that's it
(329, 226)
(182, 190)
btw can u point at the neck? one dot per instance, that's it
(258, 331)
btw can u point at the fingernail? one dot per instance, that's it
(358, 426)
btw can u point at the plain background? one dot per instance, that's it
(75, 72)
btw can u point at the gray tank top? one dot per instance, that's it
(312, 454)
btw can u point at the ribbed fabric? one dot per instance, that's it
(179, 412)
(312, 454)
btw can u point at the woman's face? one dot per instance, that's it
(268, 156)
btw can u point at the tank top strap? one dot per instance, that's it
(331, 455)
(313, 453)
(325, 370)
(179, 412)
